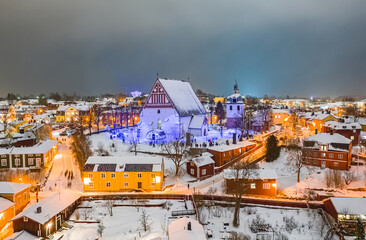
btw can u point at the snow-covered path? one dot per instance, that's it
(63, 165)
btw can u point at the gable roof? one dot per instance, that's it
(12, 188)
(22, 235)
(50, 206)
(5, 204)
(183, 97)
(197, 122)
(327, 138)
(353, 206)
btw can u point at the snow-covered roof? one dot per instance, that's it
(351, 206)
(223, 147)
(327, 138)
(197, 122)
(5, 204)
(5, 150)
(281, 111)
(238, 98)
(39, 148)
(255, 174)
(123, 163)
(12, 188)
(22, 235)
(183, 97)
(178, 230)
(204, 159)
(50, 206)
(342, 126)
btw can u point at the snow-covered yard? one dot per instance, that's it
(125, 222)
(313, 178)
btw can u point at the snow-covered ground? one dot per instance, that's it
(125, 223)
(311, 177)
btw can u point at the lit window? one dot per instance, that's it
(90, 175)
(340, 156)
(203, 171)
(113, 175)
(252, 185)
(3, 162)
(30, 161)
(192, 171)
(153, 175)
(139, 175)
(324, 154)
(331, 155)
(266, 186)
(108, 184)
(91, 185)
(17, 162)
(352, 137)
(102, 175)
(25, 219)
(125, 175)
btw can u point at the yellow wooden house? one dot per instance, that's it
(124, 173)
(317, 121)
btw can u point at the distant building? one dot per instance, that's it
(171, 110)
(351, 130)
(327, 150)
(186, 229)
(234, 109)
(125, 173)
(201, 166)
(303, 103)
(280, 116)
(260, 182)
(18, 193)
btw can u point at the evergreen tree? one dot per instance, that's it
(220, 112)
(360, 230)
(272, 149)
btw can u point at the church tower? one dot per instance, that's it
(234, 108)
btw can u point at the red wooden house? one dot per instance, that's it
(351, 130)
(201, 166)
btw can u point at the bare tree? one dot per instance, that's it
(109, 204)
(98, 111)
(80, 147)
(87, 212)
(294, 119)
(101, 151)
(100, 229)
(349, 177)
(145, 220)
(177, 152)
(296, 159)
(240, 175)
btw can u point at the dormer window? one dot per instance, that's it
(324, 148)
(234, 100)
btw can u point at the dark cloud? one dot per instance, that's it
(272, 47)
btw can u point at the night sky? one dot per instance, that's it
(302, 48)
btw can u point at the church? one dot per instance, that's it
(234, 108)
(171, 110)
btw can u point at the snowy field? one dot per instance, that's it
(125, 223)
(257, 221)
(313, 178)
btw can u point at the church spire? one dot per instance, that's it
(236, 87)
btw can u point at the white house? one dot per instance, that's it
(172, 109)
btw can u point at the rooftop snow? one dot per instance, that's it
(11, 188)
(177, 230)
(5, 204)
(223, 147)
(256, 174)
(342, 126)
(197, 122)
(327, 138)
(353, 206)
(50, 206)
(22, 235)
(39, 148)
(183, 97)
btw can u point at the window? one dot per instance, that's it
(203, 171)
(30, 161)
(126, 184)
(3, 156)
(113, 175)
(17, 162)
(252, 185)
(331, 155)
(102, 175)
(91, 185)
(3, 162)
(108, 184)
(238, 108)
(231, 108)
(352, 137)
(139, 175)
(315, 162)
(323, 147)
(324, 155)
(192, 171)
(153, 175)
(25, 219)
(159, 124)
(90, 175)
(158, 111)
(340, 156)
(153, 184)
(354, 130)
(336, 164)
(315, 154)
(125, 175)
(266, 186)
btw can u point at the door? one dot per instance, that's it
(323, 164)
(139, 184)
(58, 221)
(38, 162)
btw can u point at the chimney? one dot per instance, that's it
(316, 131)
(189, 227)
(39, 209)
